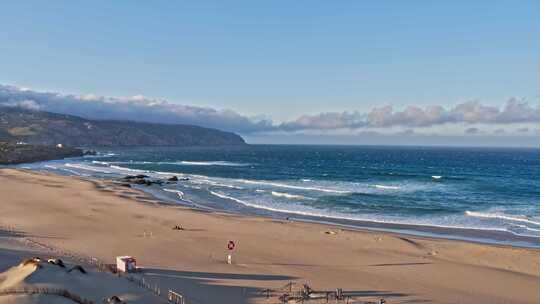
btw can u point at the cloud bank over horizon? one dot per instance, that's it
(466, 117)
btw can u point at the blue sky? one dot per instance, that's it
(278, 59)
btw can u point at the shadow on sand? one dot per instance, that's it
(209, 287)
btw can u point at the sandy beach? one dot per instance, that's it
(49, 215)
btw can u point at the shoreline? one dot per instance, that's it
(456, 224)
(473, 235)
(100, 220)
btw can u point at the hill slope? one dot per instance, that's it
(44, 128)
(11, 153)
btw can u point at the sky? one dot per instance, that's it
(348, 72)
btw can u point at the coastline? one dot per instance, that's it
(107, 221)
(455, 207)
(474, 235)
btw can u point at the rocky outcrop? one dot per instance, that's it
(142, 179)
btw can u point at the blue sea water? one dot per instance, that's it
(488, 191)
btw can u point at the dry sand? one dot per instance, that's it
(69, 217)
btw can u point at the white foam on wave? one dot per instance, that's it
(212, 163)
(290, 196)
(100, 162)
(436, 176)
(51, 167)
(217, 184)
(384, 187)
(100, 155)
(170, 174)
(73, 172)
(527, 228)
(234, 199)
(502, 217)
(87, 168)
(280, 185)
(128, 169)
(178, 192)
(339, 216)
(184, 163)
(131, 162)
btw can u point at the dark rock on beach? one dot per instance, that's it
(140, 176)
(140, 179)
(90, 153)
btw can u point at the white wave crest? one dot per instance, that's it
(74, 172)
(185, 163)
(128, 169)
(221, 195)
(211, 163)
(289, 196)
(87, 168)
(387, 187)
(280, 185)
(234, 199)
(342, 216)
(131, 162)
(100, 162)
(436, 176)
(527, 228)
(217, 184)
(502, 217)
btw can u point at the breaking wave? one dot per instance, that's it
(387, 187)
(290, 196)
(502, 217)
(87, 168)
(280, 185)
(212, 163)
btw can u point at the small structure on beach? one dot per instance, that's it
(126, 263)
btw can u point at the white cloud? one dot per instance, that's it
(138, 108)
(465, 116)
(472, 112)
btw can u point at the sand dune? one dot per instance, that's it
(42, 282)
(84, 220)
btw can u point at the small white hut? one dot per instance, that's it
(126, 263)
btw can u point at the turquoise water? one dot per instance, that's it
(413, 188)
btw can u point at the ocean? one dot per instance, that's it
(480, 194)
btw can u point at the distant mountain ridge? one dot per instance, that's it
(45, 128)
